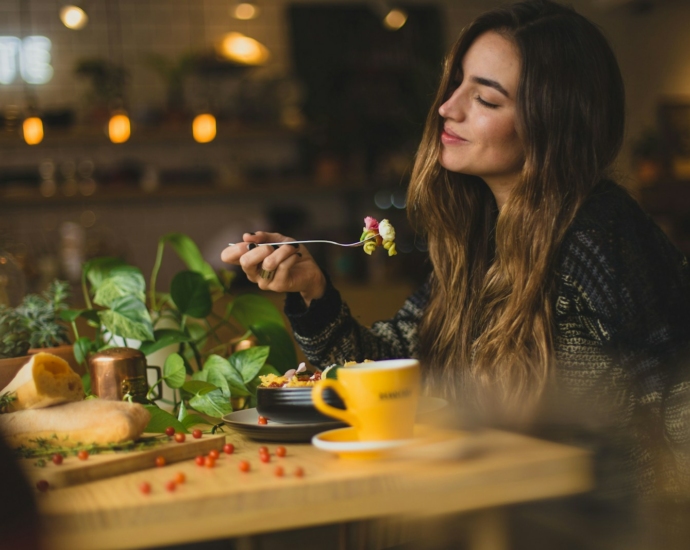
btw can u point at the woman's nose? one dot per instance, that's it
(452, 108)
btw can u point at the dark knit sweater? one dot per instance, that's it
(622, 315)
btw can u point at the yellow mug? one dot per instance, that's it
(381, 398)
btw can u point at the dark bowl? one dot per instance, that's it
(294, 405)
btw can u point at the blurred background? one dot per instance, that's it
(123, 120)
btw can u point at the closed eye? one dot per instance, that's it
(486, 103)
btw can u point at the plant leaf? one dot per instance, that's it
(128, 318)
(86, 383)
(215, 376)
(198, 386)
(248, 362)
(124, 280)
(189, 253)
(161, 419)
(283, 355)
(82, 347)
(97, 270)
(71, 315)
(194, 419)
(190, 292)
(163, 338)
(182, 412)
(230, 373)
(213, 403)
(173, 371)
(250, 309)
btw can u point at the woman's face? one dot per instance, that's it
(479, 136)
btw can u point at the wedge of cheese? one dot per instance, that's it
(82, 422)
(45, 380)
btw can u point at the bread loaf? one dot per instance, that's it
(45, 380)
(82, 422)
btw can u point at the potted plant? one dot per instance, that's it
(205, 373)
(35, 325)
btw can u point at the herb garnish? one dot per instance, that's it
(6, 400)
(45, 447)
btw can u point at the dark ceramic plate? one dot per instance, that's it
(247, 423)
(294, 405)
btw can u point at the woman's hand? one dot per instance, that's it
(287, 268)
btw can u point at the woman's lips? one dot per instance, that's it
(450, 138)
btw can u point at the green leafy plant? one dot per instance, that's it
(206, 373)
(42, 316)
(35, 323)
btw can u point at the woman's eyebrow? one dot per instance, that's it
(491, 83)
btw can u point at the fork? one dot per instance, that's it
(351, 245)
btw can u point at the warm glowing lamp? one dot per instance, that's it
(204, 128)
(243, 49)
(245, 11)
(33, 130)
(73, 17)
(119, 128)
(395, 19)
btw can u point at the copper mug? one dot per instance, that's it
(116, 372)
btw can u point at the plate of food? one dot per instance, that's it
(246, 422)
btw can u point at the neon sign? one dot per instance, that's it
(29, 58)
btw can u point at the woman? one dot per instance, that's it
(549, 285)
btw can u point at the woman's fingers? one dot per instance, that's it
(280, 279)
(233, 253)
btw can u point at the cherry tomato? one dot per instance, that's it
(299, 472)
(160, 461)
(145, 487)
(244, 466)
(196, 434)
(213, 453)
(170, 431)
(180, 437)
(83, 454)
(263, 450)
(200, 460)
(42, 485)
(210, 462)
(264, 457)
(279, 471)
(170, 485)
(180, 477)
(263, 421)
(281, 451)
(228, 448)
(57, 459)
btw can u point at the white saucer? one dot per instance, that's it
(344, 443)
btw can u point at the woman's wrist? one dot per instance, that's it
(316, 291)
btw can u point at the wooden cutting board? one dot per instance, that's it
(73, 471)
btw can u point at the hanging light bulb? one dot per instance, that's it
(119, 127)
(395, 19)
(245, 11)
(33, 130)
(204, 128)
(242, 49)
(73, 17)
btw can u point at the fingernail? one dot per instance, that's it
(251, 246)
(252, 233)
(299, 254)
(275, 246)
(296, 245)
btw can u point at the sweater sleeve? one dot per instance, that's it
(629, 290)
(328, 333)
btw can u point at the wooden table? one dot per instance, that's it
(224, 503)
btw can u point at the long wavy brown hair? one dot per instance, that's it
(489, 323)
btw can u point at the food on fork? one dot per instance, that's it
(291, 379)
(383, 232)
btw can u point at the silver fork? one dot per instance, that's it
(358, 243)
